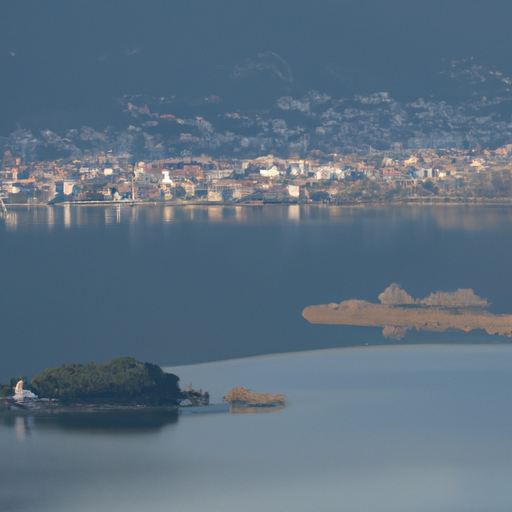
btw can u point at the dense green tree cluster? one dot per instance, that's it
(6, 390)
(430, 186)
(122, 379)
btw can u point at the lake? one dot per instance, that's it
(215, 295)
(423, 428)
(176, 286)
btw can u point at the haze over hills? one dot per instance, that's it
(70, 64)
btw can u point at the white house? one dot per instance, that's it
(273, 172)
(293, 190)
(425, 173)
(166, 178)
(21, 394)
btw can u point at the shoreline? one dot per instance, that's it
(143, 409)
(260, 204)
(102, 408)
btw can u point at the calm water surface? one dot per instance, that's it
(177, 285)
(396, 428)
(424, 428)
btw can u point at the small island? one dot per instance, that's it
(119, 383)
(122, 384)
(398, 312)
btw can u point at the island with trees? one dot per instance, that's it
(121, 382)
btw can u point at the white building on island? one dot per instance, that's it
(20, 394)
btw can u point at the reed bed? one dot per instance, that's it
(244, 396)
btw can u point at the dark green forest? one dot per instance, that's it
(123, 380)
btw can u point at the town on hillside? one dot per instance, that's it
(377, 176)
(312, 148)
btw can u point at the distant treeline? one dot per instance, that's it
(122, 380)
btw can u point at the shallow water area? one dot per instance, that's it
(421, 428)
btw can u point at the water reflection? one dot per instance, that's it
(67, 216)
(215, 213)
(103, 422)
(23, 425)
(51, 217)
(473, 218)
(237, 409)
(446, 217)
(294, 212)
(168, 214)
(11, 220)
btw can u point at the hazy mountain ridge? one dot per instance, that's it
(233, 63)
(160, 127)
(64, 63)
